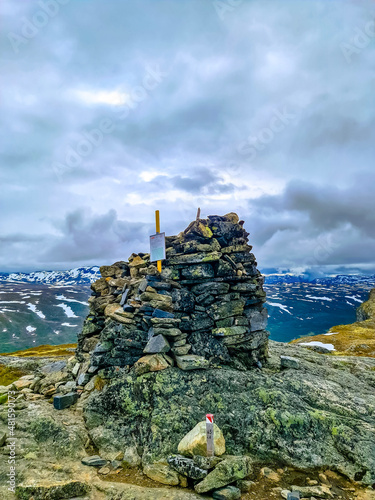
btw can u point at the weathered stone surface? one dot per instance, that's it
(321, 491)
(221, 310)
(195, 441)
(229, 331)
(151, 363)
(227, 493)
(192, 362)
(289, 362)
(186, 467)
(94, 461)
(226, 472)
(162, 473)
(62, 401)
(181, 350)
(52, 490)
(327, 408)
(194, 258)
(157, 344)
(195, 271)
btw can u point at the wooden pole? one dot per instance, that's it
(157, 221)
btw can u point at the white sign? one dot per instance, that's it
(157, 247)
(210, 434)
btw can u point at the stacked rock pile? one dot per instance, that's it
(204, 309)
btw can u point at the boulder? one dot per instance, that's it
(195, 441)
(226, 472)
(186, 467)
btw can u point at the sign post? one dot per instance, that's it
(210, 435)
(157, 244)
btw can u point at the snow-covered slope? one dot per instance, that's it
(77, 276)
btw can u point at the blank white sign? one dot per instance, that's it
(157, 247)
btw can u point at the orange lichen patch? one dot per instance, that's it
(45, 350)
(357, 339)
(100, 384)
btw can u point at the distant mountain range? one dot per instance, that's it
(87, 275)
(48, 307)
(77, 276)
(349, 279)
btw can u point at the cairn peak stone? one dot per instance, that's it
(195, 442)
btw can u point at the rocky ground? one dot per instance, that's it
(357, 338)
(306, 421)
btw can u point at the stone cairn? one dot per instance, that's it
(204, 309)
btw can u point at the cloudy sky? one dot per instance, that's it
(112, 109)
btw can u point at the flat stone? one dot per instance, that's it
(195, 442)
(258, 319)
(289, 362)
(53, 367)
(221, 310)
(192, 362)
(228, 331)
(77, 366)
(162, 473)
(124, 296)
(198, 271)
(167, 332)
(213, 287)
(159, 313)
(53, 489)
(156, 344)
(292, 495)
(151, 363)
(317, 491)
(62, 401)
(179, 343)
(227, 493)
(226, 472)
(181, 350)
(165, 322)
(194, 258)
(83, 379)
(186, 467)
(94, 461)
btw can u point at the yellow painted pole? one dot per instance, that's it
(157, 220)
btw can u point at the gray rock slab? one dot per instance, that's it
(156, 344)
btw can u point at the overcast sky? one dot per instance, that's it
(112, 109)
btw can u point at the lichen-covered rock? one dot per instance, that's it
(52, 490)
(186, 467)
(317, 416)
(195, 441)
(226, 472)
